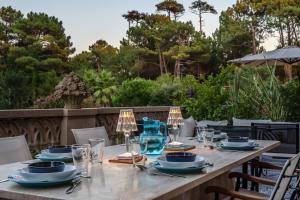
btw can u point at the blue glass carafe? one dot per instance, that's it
(152, 140)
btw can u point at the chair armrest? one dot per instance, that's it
(265, 165)
(252, 178)
(234, 194)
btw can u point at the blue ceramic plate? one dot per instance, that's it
(19, 179)
(68, 171)
(188, 170)
(43, 157)
(242, 148)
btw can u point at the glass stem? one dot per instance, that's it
(127, 140)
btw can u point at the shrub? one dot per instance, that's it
(291, 99)
(165, 91)
(255, 93)
(101, 85)
(136, 92)
(15, 91)
(208, 99)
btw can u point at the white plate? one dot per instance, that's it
(68, 171)
(197, 163)
(56, 155)
(238, 144)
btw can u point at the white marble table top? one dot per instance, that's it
(111, 181)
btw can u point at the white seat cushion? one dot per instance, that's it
(205, 123)
(83, 135)
(188, 128)
(247, 122)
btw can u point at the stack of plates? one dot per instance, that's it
(180, 167)
(25, 178)
(239, 145)
(221, 136)
(47, 156)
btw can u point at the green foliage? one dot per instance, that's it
(14, 90)
(135, 92)
(166, 90)
(291, 97)
(101, 85)
(256, 93)
(208, 99)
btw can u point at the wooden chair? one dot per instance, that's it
(83, 135)
(14, 149)
(280, 186)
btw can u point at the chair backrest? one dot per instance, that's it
(285, 132)
(234, 131)
(248, 122)
(83, 135)
(14, 149)
(285, 178)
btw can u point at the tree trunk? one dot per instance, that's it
(254, 48)
(160, 62)
(289, 35)
(281, 33)
(200, 22)
(164, 64)
(177, 70)
(288, 72)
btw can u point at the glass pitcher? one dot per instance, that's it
(152, 141)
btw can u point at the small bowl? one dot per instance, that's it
(238, 139)
(60, 149)
(180, 157)
(46, 167)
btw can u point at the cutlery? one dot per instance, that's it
(75, 183)
(4, 180)
(142, 168)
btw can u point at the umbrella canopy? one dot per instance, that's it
(288, 55)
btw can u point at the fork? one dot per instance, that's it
(4, 180)
(71, 189)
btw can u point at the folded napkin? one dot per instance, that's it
(175, 144)
(125, 156)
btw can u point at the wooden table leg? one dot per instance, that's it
(245, 171)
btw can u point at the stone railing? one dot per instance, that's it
(53, 126)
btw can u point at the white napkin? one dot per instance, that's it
(175, 144)
(125, 156)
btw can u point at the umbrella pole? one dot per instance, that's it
(288, 70)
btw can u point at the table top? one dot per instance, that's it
(112, 181)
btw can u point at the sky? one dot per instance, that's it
(87, 21)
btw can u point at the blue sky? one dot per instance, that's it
(89, 20)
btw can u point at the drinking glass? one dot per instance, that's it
(144, 145)
(137, 157)
(81, 157)
(200, 133)
(174, 134)
(97, 149)
(208, 137)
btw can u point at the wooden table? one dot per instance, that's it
(112, 181)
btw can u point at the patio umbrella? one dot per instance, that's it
(287, 57)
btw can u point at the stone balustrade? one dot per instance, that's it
(44, 127)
